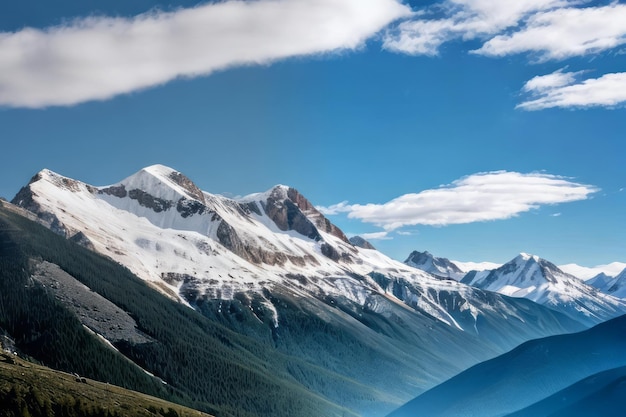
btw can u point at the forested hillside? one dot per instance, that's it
(203, 364)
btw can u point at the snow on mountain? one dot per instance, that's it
(195, 245)
(476, 266)
(536, 279)
(442, 267)
(586, 273)
(612, 286)
(601, 281)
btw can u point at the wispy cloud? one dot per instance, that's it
(462, 19)
(561, 89)
(97, 58)
(376, 236)
(543, 29)
(564, 33)
(475, 198)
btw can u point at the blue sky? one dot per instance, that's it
(475, 129)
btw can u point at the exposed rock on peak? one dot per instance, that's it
(442, 267)
(191, 188)
(358, 241)
(287, 215)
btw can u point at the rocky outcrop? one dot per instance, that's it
(24, 199)
(118, 191)
(315, 215)
(191, 188)
(188, 208)
(81, 239)
(288, 216)
(147, 200)
(228, 237)
(359, 242)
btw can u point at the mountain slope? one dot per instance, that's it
(542, 282)
(30, 389)
(600, 394)
(615, 287)
(526, 375)
(271, 267)
(196, 357)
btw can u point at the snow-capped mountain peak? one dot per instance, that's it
(442, 267)
(525, 257)
(200, 246)
(539, 280)
(160, 182)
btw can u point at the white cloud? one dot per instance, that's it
(463, 19)
(475, 198)
(342, 207)
(97, 58)
(563, 90)
(554, 80)
(376, 236)
(563, 33)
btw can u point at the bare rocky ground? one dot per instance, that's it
(94, 311)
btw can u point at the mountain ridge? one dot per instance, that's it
(269, 265)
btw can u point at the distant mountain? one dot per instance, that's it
(597, 395)
(442, 267)
(273, 269)
(615, 287)
(529, 374)
(538, 280)
(601, 281)
(585, 273)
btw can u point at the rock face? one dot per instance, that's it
(94, 311)
(359, 242)
(25, 199)
(287, 215)
(191, 188)
(442, 267)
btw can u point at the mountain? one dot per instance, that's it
(597, 395)
(527, 375)
(601, 281)
(442, 267)
(615, 287)
(538, 280)
(586, 273)
(77, 311)
(349, 326)
(30, 389)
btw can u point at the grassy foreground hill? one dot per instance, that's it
(27, 389)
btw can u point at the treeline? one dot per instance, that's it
(205, 365)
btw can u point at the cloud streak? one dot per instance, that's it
(98, 58)
(561, 89)
(476, 198)
(463, 19)
(564, 33)
(544, 29)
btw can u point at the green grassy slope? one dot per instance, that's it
(27, 389)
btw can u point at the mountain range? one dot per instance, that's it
(556, 376)
(349, 326)
(539, 280)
